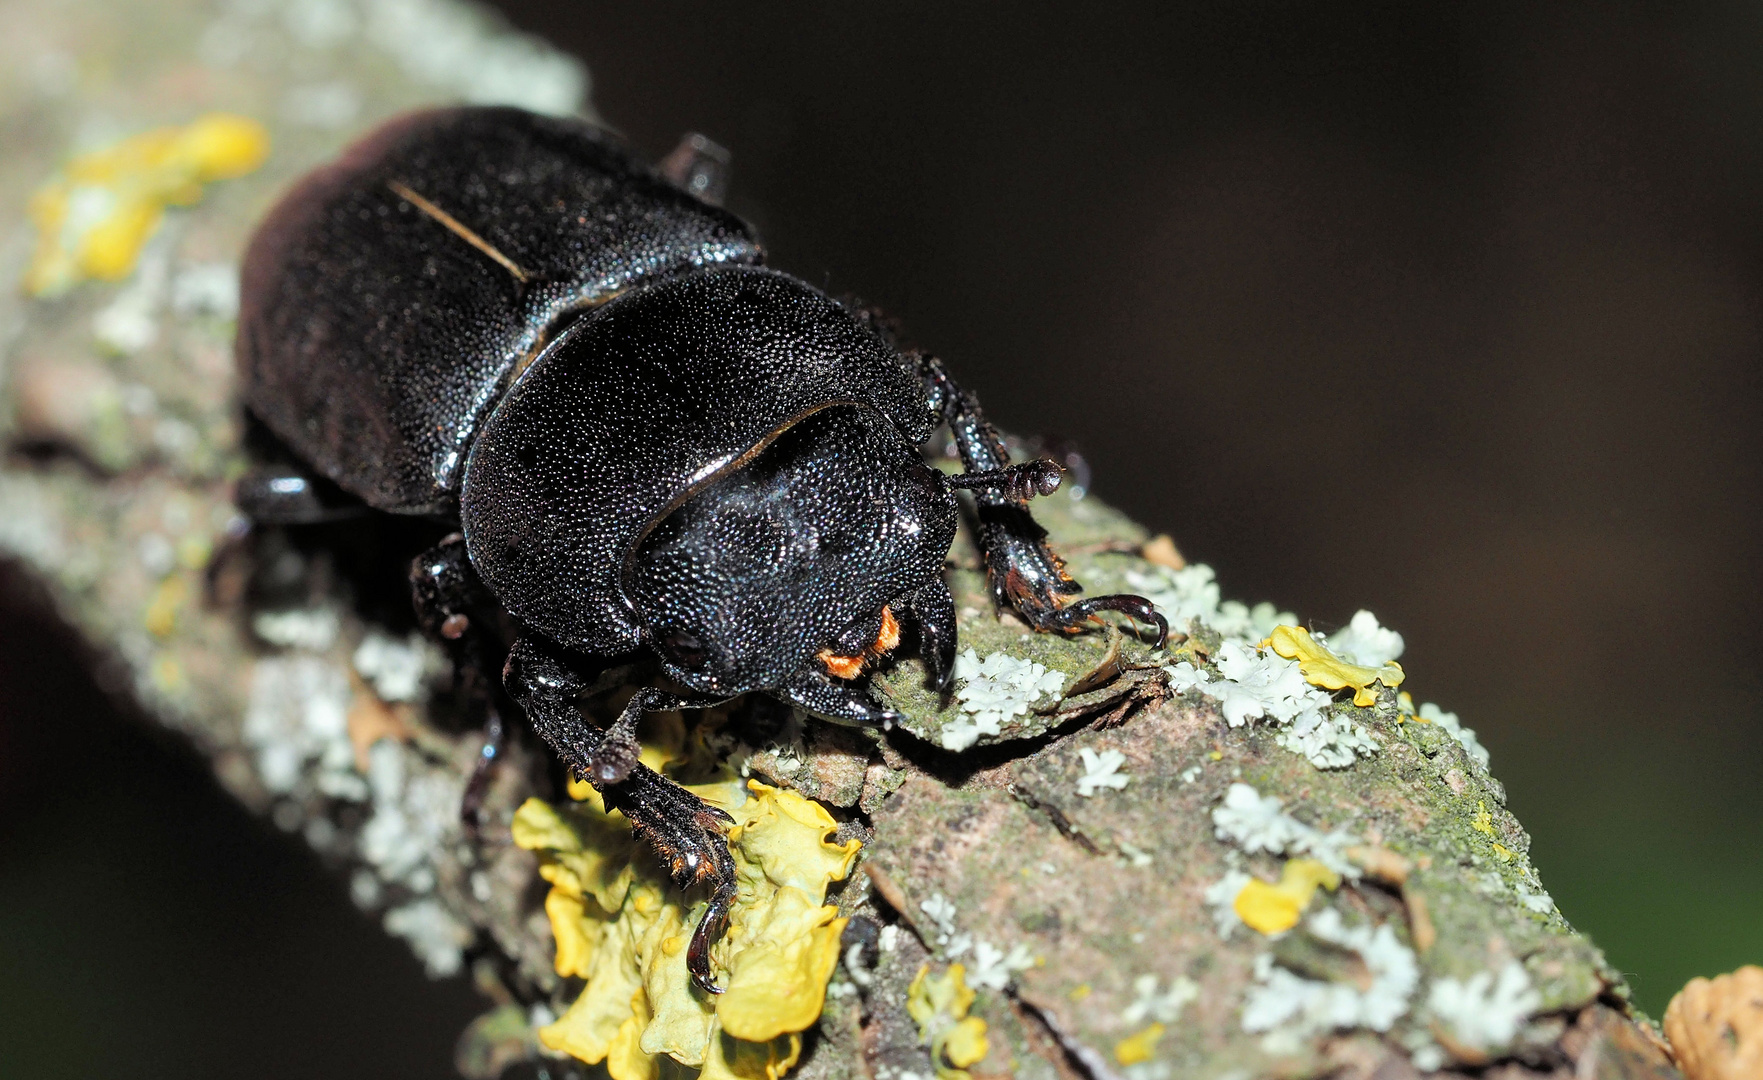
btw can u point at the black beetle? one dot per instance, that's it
(648, 440)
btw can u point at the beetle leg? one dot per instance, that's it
(834, 699)
(443, 588)
(934, 610)
(1016, 482)
(1022, 570)
(616, 755)
(483, 770)
(685, 831)
(284, 495)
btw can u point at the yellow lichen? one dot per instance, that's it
(1274, 909)
(1482, 822)
(1323, 668)
(733, 1059)
(939, 1004)
(1138, 1047)
(168, 600)
(93, 217)
(620, 925)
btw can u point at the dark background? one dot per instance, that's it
(1452, 312)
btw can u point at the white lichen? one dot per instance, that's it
(130, 322)
(858, 972)
(325, 105)
(1191, 594)
(396, 669)
(1536, 900)
(1221, 899)
(1162, 1006)
(992, 691)
(1184, 676)
(1135, 855)
(994, 968)
(1240, 621)
(437, 938)
(320, 23)
(949, 939)
(312, 629)
(453, 47)
(1329, 741)
(1257, 823)
(415, 812)
(1485, 1011)
(297, 714)
(1465, 736)
(1424, 1051)
(1364, 641)
(208, 289)
(941, 911)
(1181, 595)
(1101, 771)
(1261, 685)
(1283, 1000)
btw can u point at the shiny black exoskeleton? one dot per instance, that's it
(649, 441)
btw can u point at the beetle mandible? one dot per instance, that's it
(648, 440)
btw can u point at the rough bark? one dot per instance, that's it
(295, 671)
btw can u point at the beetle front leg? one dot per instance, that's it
(933, 609)
(1022, 570)
(616, 755)
(836, 700)
(685, 831)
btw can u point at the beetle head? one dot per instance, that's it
(795, 554)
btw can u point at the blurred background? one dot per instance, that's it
(1453, 312)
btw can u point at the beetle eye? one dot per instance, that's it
(685, 648)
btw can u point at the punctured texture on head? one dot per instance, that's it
(773, 562)
(640, 404)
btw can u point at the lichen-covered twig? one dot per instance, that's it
(1247, 855)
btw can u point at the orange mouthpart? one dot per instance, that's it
(849, 667)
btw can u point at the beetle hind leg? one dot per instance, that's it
(445, 592)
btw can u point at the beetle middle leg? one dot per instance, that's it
(1023, 572)
(685, 831)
